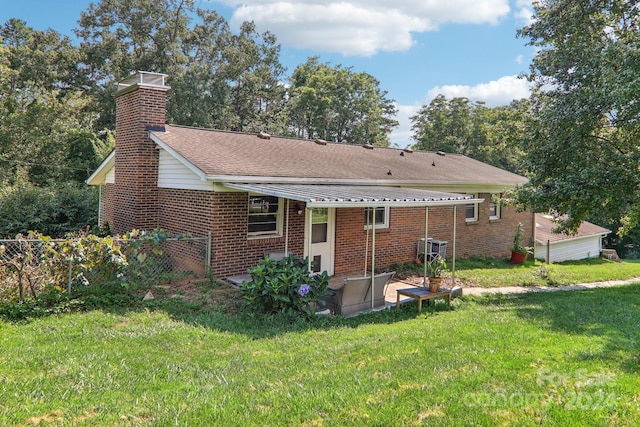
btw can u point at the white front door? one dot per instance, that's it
(322, 239)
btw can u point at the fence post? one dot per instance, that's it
(70, 275)
(208, 266)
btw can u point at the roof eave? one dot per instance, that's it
(250, 179)
(99, 175)
(178, 156)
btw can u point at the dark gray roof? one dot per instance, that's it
(221, 154)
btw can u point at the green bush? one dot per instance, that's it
(51, 211)
(285, 286)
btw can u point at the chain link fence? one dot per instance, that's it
(29, 265)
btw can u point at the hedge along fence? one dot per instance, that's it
(32, 264)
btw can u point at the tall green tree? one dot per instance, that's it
(220, 79)
(457, 125)
(338, 104)
(42, 110)
(583, 154)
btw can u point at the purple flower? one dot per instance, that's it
(304, 289)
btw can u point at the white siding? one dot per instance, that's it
(110, 177)
(173, 174)
(573, 249)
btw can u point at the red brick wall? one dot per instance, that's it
(136, 159)
(108, 202)
(398, 243)
(225, 215)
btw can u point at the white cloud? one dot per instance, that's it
(524, 11)
(497, 92)
(360, 27)
(519, 59)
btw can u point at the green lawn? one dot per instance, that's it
(553, 359)
(491, 272)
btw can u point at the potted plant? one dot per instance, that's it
(434, 271)
(518, 251)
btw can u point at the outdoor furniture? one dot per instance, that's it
(421, 293)
(354, 294)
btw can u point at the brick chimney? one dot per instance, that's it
(140, 107)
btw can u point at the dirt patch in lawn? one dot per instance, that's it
(203, 293)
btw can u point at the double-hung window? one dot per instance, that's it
(265, 216)
(471, 211)
(378, 216)
(494, 207)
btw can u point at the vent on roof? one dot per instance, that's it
(441, 153)
(263, 135)
(320, 141)
(368, 146)
(408, 150)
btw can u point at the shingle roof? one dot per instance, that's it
(220, 153)
(545, 226)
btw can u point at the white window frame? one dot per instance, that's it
(279, 220)
(379, 225)
(475, 210)
(495, 205)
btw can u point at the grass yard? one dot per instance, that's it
(491, 272)
(553, 359)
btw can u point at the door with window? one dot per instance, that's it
(322, 239)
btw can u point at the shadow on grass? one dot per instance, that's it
(608, 313)
(259, 326)
(216, 306)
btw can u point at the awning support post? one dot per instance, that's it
(373, 256)
(453, 262)
(426, 243)
(286, 231)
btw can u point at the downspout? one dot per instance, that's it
(366, 245)
(310, 240)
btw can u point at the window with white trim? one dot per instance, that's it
(471, 210)
(380, 217)
(265, 216)
(494, 207)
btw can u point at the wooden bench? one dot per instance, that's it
(422, 293)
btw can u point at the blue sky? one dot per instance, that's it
(415, 48)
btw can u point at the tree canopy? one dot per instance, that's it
(337, 104)
(457, 125)
(583, 154)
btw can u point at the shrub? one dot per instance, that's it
(52, 211)
(285, 286)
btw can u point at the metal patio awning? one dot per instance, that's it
(351, 196)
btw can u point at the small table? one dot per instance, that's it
(421, 294)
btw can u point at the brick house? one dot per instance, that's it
(259, 194)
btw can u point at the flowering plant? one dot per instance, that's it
(286, 286)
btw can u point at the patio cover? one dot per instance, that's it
(351, 196)
(346, 196)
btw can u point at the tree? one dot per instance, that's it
(583, 153)
(338, 104)
(491, 135)
(219, 79)
(42, 111)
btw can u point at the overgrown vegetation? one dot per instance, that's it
(52, 211)
(33, 265)
(285, 286)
